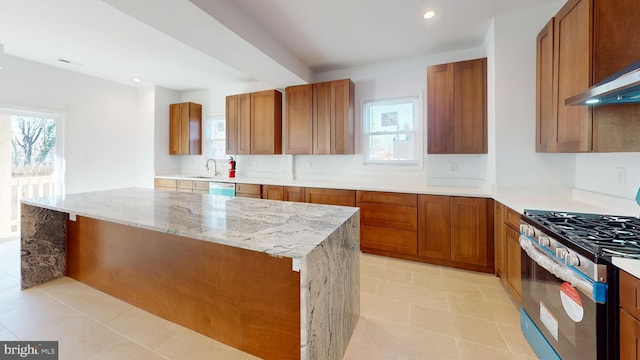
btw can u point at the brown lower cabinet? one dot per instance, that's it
(330, 196)
(273, 192)
(249, 191)
(507, 249)
(388, 221)
(629, 317)
(454, 231)
(190, 186)
(294, 193)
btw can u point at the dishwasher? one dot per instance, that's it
(222, 189)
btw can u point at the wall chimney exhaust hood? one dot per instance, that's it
(622, 87)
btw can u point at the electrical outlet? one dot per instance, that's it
(308, 165)
(453, 167)
(254, 164)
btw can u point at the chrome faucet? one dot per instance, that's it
(215, 167)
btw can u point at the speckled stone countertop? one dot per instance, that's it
(280, 228)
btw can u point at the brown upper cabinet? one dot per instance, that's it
(185, 129)
(457, 108)
(320, 118)
(578, 48)
(238, 124)
(254, 123)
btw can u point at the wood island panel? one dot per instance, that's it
(246, 299)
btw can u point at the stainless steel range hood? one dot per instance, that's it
(620, 88)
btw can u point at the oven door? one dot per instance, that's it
(559, 302)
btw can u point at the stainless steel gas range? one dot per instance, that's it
(569, 286)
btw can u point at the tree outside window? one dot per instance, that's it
(33, 142)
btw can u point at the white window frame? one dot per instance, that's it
(416, 132)
(209, 140)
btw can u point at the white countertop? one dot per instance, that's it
(279, 228)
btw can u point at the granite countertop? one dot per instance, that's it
(279, 228)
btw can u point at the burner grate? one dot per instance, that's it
(600, 234)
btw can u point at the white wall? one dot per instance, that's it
(163, 162)
(601, 173)
(380, 81)
(517, 163)
(100, 121)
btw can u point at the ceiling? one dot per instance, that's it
(199, 44)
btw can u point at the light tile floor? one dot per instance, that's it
(408, 311)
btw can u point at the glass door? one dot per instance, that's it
(31, 162)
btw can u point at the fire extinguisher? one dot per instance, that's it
(232, 167)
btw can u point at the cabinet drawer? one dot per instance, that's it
(387, 198)
(330, 196)
(201, 185)
(630, 293)
(391, 217)
(248, 189)
(398, 241)
(512, 218)
(185, 184)
(171, 183)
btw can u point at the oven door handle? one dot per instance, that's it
(562, 271)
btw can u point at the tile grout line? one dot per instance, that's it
(105, 326)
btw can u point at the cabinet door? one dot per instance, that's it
(249, 190)
(299, 120)
(469, 243)
(440, 109)
(195, 128)
(544, 88)
(629, 337)
(470, 107)
(500, 248)
(330, 196)
(342, 117)
(630, 293)
(231, 124)
(273, 192)
(434, 226)
(266, 122)
(185, 128)
(175, 130)
(322, 118)
(244, 124)
(572, 74)
(294, 193)
(397, 241)
(513, 277)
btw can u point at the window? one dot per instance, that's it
(390, 131)
(215, 135)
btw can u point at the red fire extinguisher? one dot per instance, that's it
(232, 167)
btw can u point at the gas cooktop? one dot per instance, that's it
(602, 235)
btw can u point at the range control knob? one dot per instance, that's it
(572, 259)
(561, 253)
(527, 230)
(544, 241)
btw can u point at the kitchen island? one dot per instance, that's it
(279, 280)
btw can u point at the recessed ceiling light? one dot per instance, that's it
(136, 80)
(429, 14)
